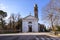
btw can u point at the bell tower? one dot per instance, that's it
(36, 10)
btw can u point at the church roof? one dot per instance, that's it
(30, 16)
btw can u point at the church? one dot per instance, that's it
(30, 23)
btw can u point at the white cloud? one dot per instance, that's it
(3, 7)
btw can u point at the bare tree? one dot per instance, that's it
(19, 22)
(10, 22)
(51, 13)
(15, 22)
(13, 19)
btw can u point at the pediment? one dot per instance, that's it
(30, 17)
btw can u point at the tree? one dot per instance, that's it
(10, 22)
(19, 22)
(51, 14)
(58, 28)
(13, 20)
(2, 16)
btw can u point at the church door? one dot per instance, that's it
(30, 28)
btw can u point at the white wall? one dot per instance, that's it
(25, 24)
(35, 26)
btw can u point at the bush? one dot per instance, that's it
(58, 28)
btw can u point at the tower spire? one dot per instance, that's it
(36, 10)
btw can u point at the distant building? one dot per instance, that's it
(42, 28)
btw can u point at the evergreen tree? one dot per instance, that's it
(2, 16)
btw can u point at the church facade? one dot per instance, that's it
(30, 23)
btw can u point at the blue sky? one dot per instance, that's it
(24, 7)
